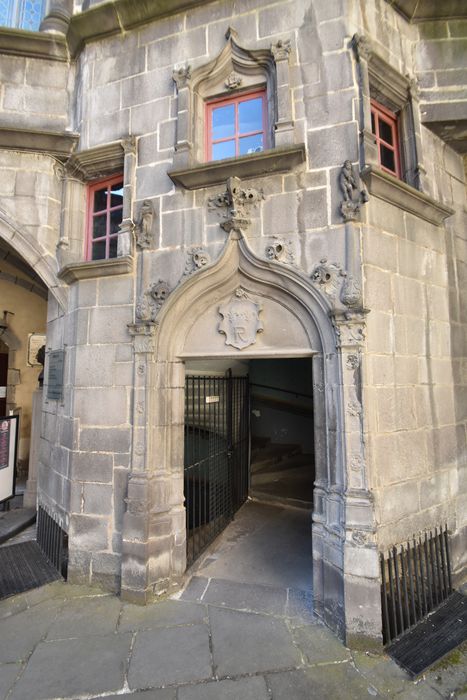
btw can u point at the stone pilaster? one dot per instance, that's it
(30, 494)
(126, 233)
(369, 151)
(361, 567)
(135, 544)
(284, 127)
(181, 77)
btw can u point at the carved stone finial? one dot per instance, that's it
(281, 49)
(350, 185)
(197, 258)
(235, 198)
(148, 305)
(240, 320)
(144, 226)
(233, 81)
(181, 76)
(351, 295)
(362, 46)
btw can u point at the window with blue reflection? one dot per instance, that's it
(22, 14)
(235, 126)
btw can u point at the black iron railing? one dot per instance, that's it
(416, 578)
(216, 456)
(53, 541)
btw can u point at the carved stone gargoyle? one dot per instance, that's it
(235, 198)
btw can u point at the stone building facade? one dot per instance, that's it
(334, 255)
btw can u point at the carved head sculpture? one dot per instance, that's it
(159, 292)
(274, 251)
(200, 258)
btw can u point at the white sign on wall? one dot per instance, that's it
(8, 450)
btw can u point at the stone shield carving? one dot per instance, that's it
(240, 320)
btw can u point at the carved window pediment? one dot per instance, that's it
(236, 69)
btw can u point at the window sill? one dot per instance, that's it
(274, 160)
(96, 268)
(21, 42)
(390, 189)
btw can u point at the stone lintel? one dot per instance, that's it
(56, 143)
(95, 268)
(118, 17)
(273, 160)
(428, 10)
(20, 42)
(98, 162)
(390, 189)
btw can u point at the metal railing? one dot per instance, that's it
(53, 541)
(416, 578)
(216, 456)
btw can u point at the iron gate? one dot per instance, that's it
(217, 451)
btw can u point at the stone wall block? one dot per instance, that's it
(97, 499)
(100, 407)
(108, 70)
(152, 180)
(92, 466)
(117, 291)
(328, 147)
(182, 227)
(282, 18)
(105, 439)
(398, 500)
(94, 365)
(143, 116)
(89, 533)
(186, 46)
(109, 324)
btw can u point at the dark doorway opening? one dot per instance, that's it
(248, 435)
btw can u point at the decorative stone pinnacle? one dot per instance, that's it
(235, 198)
(362, 46)
(281, 49)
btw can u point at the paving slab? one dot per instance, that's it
(20, 633)
(320, 645)
(71, 667)
(382, 671)
(195, 588)
(293, 685)
(300, 604)
(246, 596)
(165, 613)
(241, 689)
(157, 694)
(244, 643)
(341, 681)
(84, 616)
(170, 655)
(8, 674)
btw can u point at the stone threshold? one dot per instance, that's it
(273, 160)
(73, 272)
(394, 191)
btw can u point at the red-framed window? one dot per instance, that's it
(384, 127)
(236, 126)
(105, 207)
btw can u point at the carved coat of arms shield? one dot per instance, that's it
(240, 320)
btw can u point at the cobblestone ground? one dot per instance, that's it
(220, 640)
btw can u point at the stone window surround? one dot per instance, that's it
(81, 169)
(399, 94)
(235, 67)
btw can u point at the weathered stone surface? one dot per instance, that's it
(246, 688)
(182, 654)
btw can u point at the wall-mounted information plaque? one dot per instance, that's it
(55, 374)
(8, 450)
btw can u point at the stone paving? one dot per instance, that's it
(218, 640)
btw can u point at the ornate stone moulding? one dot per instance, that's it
(97, 162)
(390, 189)
(56, 143)
(273, 160)
(20, 42)
(95, 268)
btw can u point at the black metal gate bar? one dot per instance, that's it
(415, 579)
(216, 456)
(52, 540)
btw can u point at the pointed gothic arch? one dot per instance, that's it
(299, 321)
(41, 261)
